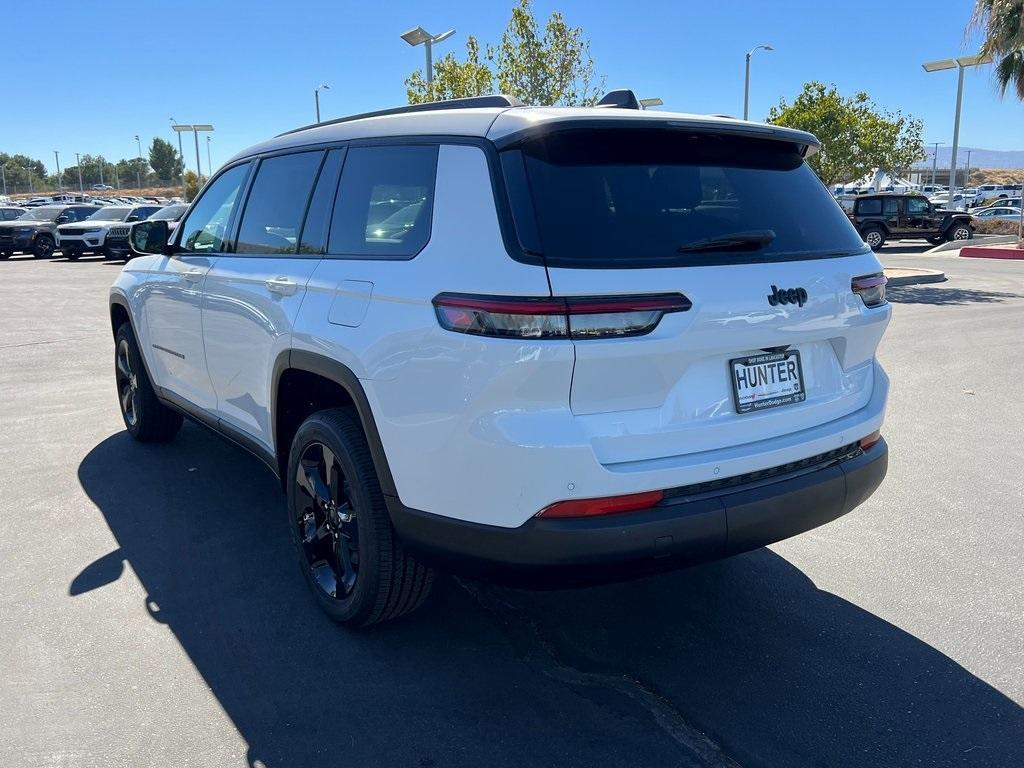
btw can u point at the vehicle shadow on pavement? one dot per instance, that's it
(926, 294)
(747, 651)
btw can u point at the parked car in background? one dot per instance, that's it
(89, 236)
(35, 231)
(942, 200)
(117, 246)
(879, 217)
(998, 213)
(101, 187)
(10, 212)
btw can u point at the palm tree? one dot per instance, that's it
(1003, 22)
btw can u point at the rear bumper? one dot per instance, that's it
(682, 530)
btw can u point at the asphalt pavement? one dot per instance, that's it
(152, 612)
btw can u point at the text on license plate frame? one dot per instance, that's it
(751, 362)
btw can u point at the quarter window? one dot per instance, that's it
(385, 202)
(277, 203)
(207, 224)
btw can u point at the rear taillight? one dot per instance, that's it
(869, 442)
(556, 317)
(870, 288)
(610, 505)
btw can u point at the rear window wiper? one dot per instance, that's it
(751, 240)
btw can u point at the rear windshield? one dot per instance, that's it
(649, 197)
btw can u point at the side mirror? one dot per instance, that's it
(63, 219)
(149, 236)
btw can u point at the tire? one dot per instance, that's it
(357, 569)
(959, 231)
(43, 247)
(874, 237)
(145, 417)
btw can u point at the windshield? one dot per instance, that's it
(110, 213)
(169, 213)
(44, 213)
(649, 197)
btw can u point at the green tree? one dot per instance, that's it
(191, 186)
(130, 171)
(165, 160)
(17, 169)
(1003, 24)
(856, 135)
(544, 67)
(453, 79)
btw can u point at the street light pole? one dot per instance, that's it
(935, 158)
(209, 162)
(746, 78)
(420, 36)
(195, 133)
(960, 63)
(316, 96)
(3, 174)
(78, 163)
(60, 184)
(138, 167)
(181, 155)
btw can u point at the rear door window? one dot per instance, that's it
(385, 202)
(648, 197)
(277, 203)
(872, 207)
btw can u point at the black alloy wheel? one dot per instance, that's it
(325, 523)
(43, 247)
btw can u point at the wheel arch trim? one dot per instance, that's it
(342, 375)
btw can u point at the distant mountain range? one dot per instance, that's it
(980, 158)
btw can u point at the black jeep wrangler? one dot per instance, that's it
(907, 216)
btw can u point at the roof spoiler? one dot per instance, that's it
(495, 100)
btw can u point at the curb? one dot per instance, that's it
(974, 252)
(956, 245)
(915, 276)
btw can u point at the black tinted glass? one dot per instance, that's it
(277, 203)
(384, 202)
(890, 207)
(872, 207)
(318, 219)
(634, 197)
(206, 226)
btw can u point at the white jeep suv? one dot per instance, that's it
(532, 343)
(89, 235)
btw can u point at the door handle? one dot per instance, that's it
(282, 286)
(192, 275)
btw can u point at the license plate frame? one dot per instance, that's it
(777, 399)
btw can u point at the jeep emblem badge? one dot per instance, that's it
(787, 296)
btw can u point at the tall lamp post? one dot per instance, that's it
(78, 163)
(196, 129)
(209, 162)
(960, 63)
(420, 36)
(179, 129)
(60, 184)
(138, 168)
(935, 159)
(316, 96)
(181, 153)
(746, 78)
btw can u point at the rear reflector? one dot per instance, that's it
(870, 288)
(610, 505)
(866, 443)
(556, 317)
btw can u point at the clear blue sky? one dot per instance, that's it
(98, 73)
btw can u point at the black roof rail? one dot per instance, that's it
(623, 98)
(495, 100)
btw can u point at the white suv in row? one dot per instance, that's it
(532, 343)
